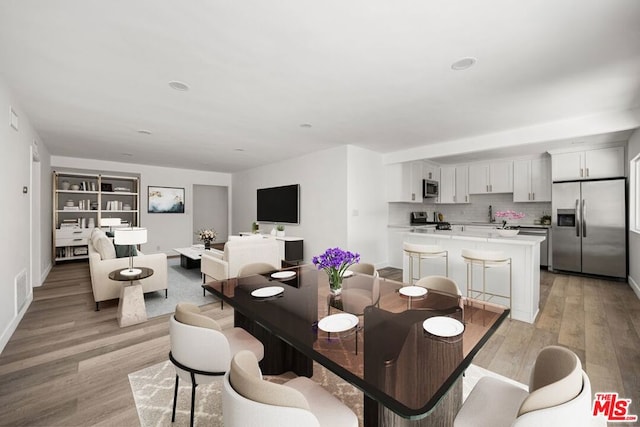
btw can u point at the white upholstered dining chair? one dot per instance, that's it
(201, 351)
(248, 400)
(559, 395)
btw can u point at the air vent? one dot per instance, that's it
(22, 290)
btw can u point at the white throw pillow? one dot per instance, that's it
(105, 248)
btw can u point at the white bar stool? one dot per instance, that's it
(420, 252)
(486, 259)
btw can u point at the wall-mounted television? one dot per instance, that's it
(279, 204)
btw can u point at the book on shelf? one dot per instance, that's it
(71, 208)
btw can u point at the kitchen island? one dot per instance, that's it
(523, 250)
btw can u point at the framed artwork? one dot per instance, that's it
(165, 200)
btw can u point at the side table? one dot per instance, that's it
(131, 308)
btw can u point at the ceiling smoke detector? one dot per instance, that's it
(183, 87)
(464, 63)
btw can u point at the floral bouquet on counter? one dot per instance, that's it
(207, 235)
(334, 262)
(508, 215)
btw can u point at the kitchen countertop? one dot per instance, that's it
(469, 223)
(490, 236)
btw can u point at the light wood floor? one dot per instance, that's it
(67, 365)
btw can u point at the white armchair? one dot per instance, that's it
(248, 400)
(559, 395)
(239, 251)
(102, 261)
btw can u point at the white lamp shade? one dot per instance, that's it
(109, 222)
(130, 236)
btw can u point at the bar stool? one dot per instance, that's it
(486, 259)
(420, 252)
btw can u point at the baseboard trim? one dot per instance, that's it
(11, 328)
(44, 274)
(634, 286)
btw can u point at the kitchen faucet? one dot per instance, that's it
(491, 218)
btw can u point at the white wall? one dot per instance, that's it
(211, 210)
(333, 184)
(17, 242)
(366, 206)
(165, 231)
(634, 238)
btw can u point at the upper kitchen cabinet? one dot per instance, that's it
(532, 180)
(430, 171)
(447, 188)
(404, 182)
(495, 177)
(454, 184)
(462, 184)
(588, 164)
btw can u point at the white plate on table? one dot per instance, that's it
(283, 274)
(269, 291)
(338, 322)
(413, 291)
(443, 326)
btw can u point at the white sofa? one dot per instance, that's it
(239, 251)
(102, 261)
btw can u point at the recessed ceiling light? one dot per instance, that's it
(144, 131)
(305, 125)
(127, 154)
(464, 63)
(238, 149)
(174, 84)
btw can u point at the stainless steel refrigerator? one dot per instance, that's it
(589, 230)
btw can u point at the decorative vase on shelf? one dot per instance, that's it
(207, 245)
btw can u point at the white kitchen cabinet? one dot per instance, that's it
(495, 177)
(532, 180)
(430, 171)
(404, 182)
(588, 164)
(447, 189)
(462, 184)
(454, 184)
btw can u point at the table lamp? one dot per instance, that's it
(109, 222)
(130, 236)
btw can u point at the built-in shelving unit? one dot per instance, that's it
(81, 200)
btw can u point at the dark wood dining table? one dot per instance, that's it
(408, 375)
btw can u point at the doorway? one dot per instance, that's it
(211, 210)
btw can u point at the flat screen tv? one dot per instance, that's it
(279, 204)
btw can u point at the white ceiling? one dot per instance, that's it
(373, 73)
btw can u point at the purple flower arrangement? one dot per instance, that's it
(335, 261)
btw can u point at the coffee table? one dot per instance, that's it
(190, 257)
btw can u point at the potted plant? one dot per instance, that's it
(545, 219)
(280, 230)
(255, 228)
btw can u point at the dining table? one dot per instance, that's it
(405, 350)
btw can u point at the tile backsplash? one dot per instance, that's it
(476, 210)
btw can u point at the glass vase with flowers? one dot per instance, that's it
(335, 261)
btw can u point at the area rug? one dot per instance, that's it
(185, 285)
(153, 394)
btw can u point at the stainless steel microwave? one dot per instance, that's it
(429, 188)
